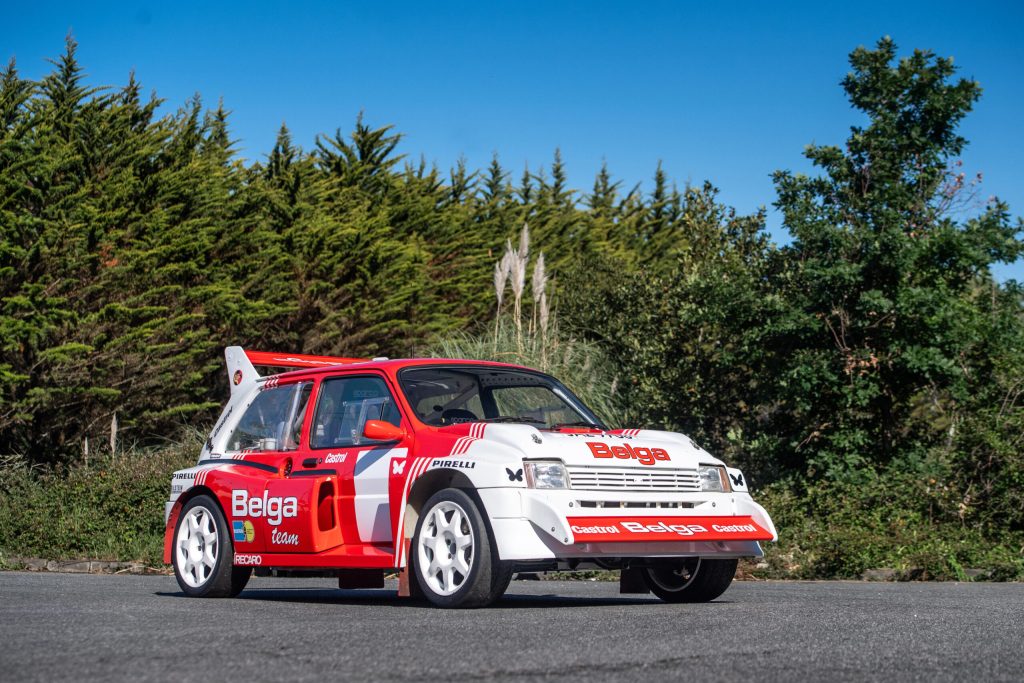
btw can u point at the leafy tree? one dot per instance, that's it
(870, 339)
(135, 247)
(881, 274)
(681, 332)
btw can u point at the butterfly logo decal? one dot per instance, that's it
(514, 476)
(737, 479)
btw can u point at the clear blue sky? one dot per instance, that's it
(722, 91)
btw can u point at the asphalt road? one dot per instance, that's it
(88, 627)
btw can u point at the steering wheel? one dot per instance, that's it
(454, 416)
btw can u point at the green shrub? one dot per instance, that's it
(894, 518)
(110, 509)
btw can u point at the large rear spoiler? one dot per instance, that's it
(295, 360)
(242, 364)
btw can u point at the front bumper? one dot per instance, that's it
(532, 524)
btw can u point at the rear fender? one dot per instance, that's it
(172, 518)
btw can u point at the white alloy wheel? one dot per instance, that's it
(445, 547)
(197, 545)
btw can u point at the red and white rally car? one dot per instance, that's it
(453, 473)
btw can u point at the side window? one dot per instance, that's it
(273, 421)
(298, 416)
(344, 406)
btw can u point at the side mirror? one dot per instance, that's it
(379, 430)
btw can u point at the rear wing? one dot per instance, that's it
(242, 364)
(295, 360)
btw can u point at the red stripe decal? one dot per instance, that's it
(414, 473)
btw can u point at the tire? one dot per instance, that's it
(453, 558)
(692, 580)
(203, 552)
(501, 577)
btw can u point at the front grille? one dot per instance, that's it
(633, 479)
(632, 504)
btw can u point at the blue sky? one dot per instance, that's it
(727, 92)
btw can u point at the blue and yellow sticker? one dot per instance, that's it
(244, 531)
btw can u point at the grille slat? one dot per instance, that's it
(632, 479)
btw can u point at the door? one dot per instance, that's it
(344, 405)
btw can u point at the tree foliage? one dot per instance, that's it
(136, 245)
(874, 350)
(876, 343)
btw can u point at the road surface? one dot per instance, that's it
(89, 627)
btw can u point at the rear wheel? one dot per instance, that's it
(453, 558)
(203, 552)
(691, 580)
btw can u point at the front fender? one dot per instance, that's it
(486, 464)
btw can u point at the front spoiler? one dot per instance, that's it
(647, 528)
(536, 525)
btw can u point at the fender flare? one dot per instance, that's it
(172, 519)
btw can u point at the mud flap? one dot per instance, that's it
(403, 583)
(407, 586)
(632, 581)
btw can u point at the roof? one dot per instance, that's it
(317, 365)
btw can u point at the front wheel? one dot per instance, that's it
(692, 580)
(204, 553)
(453, 558)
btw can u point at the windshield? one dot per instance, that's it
(449, 395)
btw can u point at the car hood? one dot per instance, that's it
(640, 448)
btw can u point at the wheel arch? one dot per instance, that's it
(427, 485)
(179, 504)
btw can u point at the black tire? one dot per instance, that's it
(501, 577)
(691, 580)
(486, 578)
(223, 580)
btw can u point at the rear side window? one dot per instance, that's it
(344, 406)
(273, 421)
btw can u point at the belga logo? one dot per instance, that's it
(646, 456)
(274, 508)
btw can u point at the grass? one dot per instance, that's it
(581, 365)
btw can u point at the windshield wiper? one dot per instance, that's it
(513, 418)
(576, 424)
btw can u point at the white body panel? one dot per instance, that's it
(532, 524)
(371, 476)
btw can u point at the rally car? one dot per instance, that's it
(454, 474)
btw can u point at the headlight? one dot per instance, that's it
(713, 478)
(546, 475)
